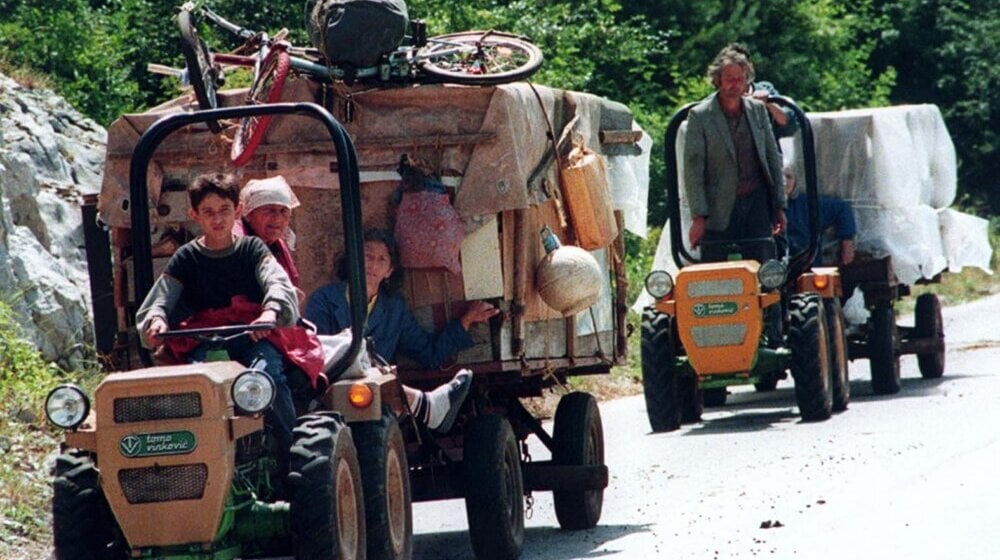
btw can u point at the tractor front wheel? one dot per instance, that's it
(660, 383)
(82, 525)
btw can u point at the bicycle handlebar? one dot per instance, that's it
(241, 32)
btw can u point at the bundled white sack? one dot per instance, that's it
(966, 240)
(888, 156)
(911, 236)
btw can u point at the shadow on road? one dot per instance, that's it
(550, 543)
(743, 421)
(748, 411)
(910, 387)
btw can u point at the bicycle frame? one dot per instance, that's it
(399, 64)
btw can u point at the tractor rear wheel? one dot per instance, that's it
(838, 353)
(809, 343)
(385, 478)
(325, 491)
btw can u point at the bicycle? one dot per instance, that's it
(477, 58)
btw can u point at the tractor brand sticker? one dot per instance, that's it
(715, 309)
(163, 443)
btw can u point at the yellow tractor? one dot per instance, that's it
(712, 326)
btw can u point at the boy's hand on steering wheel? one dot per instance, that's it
(156, 326)
(267, 316)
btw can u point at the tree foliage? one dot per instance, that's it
(651, 55)
(945, 53)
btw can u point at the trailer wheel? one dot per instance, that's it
(929, 325)
(82, 525)
(385, 479)
(659, 376)
(715, 396)
(325, 491)
(808, 340)
(494, 489)
(579, 440)
(838, 354)
(882, 357)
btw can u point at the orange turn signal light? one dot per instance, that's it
(821, 281)
(360, 395)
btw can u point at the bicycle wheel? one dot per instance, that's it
(479, 58)
(266, 88)
(202, 73)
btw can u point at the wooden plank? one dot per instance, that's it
(481, 262)
(507, 244)
(620, 136)
(621, 287)
(433, 286)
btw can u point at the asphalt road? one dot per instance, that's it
(912, 475)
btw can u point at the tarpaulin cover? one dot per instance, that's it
(484, 141)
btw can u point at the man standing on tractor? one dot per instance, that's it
(732, 167)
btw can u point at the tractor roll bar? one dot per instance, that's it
(350, 200)
(799, 262)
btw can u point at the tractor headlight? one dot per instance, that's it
(253, 391)
(659, 283)
(772, 274)
(67, 406)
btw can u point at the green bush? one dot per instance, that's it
(25, 437)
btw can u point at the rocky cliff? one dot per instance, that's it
(50, 156)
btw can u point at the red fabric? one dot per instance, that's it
(429, 232)
(279, 249)
(299, 346)
(283, 255)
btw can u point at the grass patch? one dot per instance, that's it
(27, 77)
(28, 443)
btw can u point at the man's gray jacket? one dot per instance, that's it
(711, 176)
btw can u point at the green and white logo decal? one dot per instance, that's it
(715, 309)
(163, 443)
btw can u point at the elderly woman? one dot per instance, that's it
(267, 211)
(393, 328)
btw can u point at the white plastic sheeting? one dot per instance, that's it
(891, 157)
(963, 238)
(897, 167)
(628, 177)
